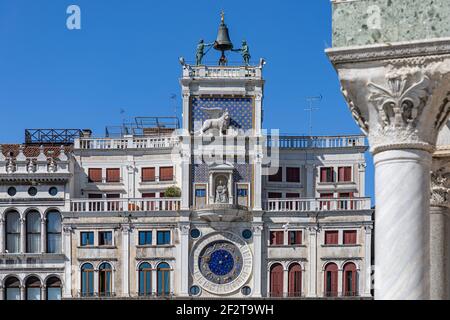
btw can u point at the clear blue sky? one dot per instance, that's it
(126, 57)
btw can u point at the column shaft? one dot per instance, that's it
(402, 224)
(2, 235)
(438, 253)
(23, 236)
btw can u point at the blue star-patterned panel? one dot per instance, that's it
(239, 108)
(241, 173)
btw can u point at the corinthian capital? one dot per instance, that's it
(440, 192)
(400, 103)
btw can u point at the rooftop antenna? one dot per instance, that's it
(173, 97)
(311, 108)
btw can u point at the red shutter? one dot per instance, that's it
(348, 174)
(275, 195)
(323, 175)
(295, 281)
(331, 271)
(166, 174)
(350, 289)
(276, 238)
(331, 237)
(350, 237)
(148, 195)
(112, 175)
(148, 174)
(276, 281)
(95, 175)
(298, 237)
(278, 177)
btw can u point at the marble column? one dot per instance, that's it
(126, 261)
(67, 243)
(184, 261)
(2, 293)
(23, 236)
(439, 213)
(401, 105)
(43, 235)
(367, 261)
(23, 295)
(2, 235)
(312, 259)
(257, 260)
(340, 288)
(43, 292)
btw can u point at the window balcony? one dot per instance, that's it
(125, 205)
(318, 204)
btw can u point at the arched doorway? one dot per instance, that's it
(331, 280)
(276, 280)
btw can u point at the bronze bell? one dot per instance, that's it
(223, 42)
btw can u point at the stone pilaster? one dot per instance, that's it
(184, 261)
(257, 259)
(439, 214)
(367, 261)
(67, 243)
(43, 235)
(126, 260)
(312, 259)
(2, 235)
(23, 236)
(401, 104)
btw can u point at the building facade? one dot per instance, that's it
(198, 211)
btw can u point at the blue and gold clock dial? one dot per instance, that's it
(220, 262)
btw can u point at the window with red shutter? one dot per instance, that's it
(276, 280)
(326, 205)
(112, 175)
(295, 281)
(95, 175)
(350, 237)
(349, 280)
(148, 174)
(278, 177)
(345, 174)
(327, 174)
(166, 174)
(295, 238)
(331, 237)
(276, 238)
(293, 174)
(331, 280)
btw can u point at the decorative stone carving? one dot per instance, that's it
(439, 189)
(356, 113)
(31, 167)
(257, 230)
(184, 229)
(52, 165)
(10, 165)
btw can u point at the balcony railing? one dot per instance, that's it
(234, 72)
(298, 142)
(307, 205)
(126, 143)
(125, 205)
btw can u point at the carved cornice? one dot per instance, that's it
(389, 51)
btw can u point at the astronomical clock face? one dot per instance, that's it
(221, 263)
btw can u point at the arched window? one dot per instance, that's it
(54, 232)
(350, 280)
(276, 280)
(13, 232)
(104, 279)
(87, 280)
(163, 272)
(295, 280)
(54, 291)
(33, 286)
(145, 279)
(12, 289)
(331, 280)
(33, 232)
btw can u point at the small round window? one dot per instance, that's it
(53, 191)
(195, 290)
(247, 234)
(12, 191)
(32, 191)
(195, 233)
(246, 291)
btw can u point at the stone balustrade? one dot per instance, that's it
(159, 142)
(125, 205)
(320, 204)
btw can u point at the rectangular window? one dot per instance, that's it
(166, 174)
(293, 175)
(293, 195)
(331, 237)
(345, 174)
(87, 238)
(350, 237)
(95, 175)
(112, 175)
(326, 205)
(148, 174)
(200, 193)
(278, 177)
(327, 175)
(105, 238)
(145, 238)
(295, 238)
(163, 238)
(275, 195)
(347, 204)
(276, 238)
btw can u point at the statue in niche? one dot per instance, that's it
(221, 192)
